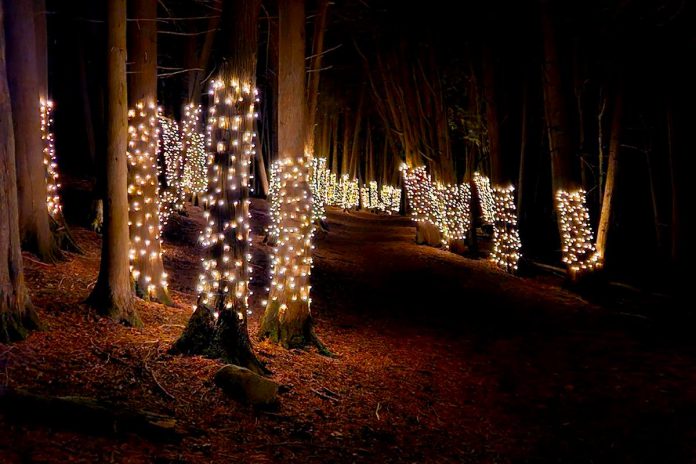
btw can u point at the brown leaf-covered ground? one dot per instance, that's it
(439, 358)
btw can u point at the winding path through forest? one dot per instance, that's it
(439, 358)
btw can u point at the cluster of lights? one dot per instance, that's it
(143, 193)
(170, 144)
(195, 175)
(348, 193)
(319, 185)
(387, 199)
(579, 252)
(49, 158)
(224, 281)
(506, 238)
(273, 229)
(485, 194)
(292, 257)
(444, 206)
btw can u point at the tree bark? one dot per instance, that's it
(492, 122)
(314, 74)
(24, 86)
(113, 293)
(287, 319)
(146, 257)
(612, 166)
(16, 313)
(218, 328)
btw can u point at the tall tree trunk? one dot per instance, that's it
(612, 166)
(287, 319)
(314, 73)
(195, 77)
(16, 313)
(577, 245)
(492, 122)
(24, 86)
(113, 293)
(41, 47)
(146, 255)
(218, 327)
(523, 149)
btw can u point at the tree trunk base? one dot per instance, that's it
(161, 295)
(294, 333)
(218, 338)
(15, 328)
(64, 237)
(102, 299)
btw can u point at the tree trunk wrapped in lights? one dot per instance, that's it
(25, 90)
(171, 194)
(195, 175)
(287, 319)
(143, 189)
(506, 238)
(579, 252)
(113, 293)
(16, 313)
(218, 327)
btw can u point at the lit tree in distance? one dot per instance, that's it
(287, 319)
(195, 179)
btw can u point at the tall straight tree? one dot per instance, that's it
(143, 189)
(578, 247)
(16, 313)
(218, 327)
(287, 319)
(24, 85)
(113, 293)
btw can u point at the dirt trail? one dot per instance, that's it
(439, 359)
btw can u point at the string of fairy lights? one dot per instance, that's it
(444, 206)
(578, 246)
(171, 146)
(319, 177)
(386, 199)
(291, 259)
(224, 280)
(143, 193)
(485, 195)
(195, 172)
(49, 158)
(506, 237)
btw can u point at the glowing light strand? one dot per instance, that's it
(224, 281)
(485, 194)
(506, 238)
(444, 206)
(171, 146)
(195, 174)
(578, 246)
(49, 158)
(143, 193)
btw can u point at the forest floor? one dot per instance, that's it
(439, 358)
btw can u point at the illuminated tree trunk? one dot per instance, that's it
(143, 189)
(612, 165)
(58, 224)
(287, 319)
(24, 86)
(218, 327)
(578, 247)
(16, 313)
(113, 293)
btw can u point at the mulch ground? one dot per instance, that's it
(439, 358)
